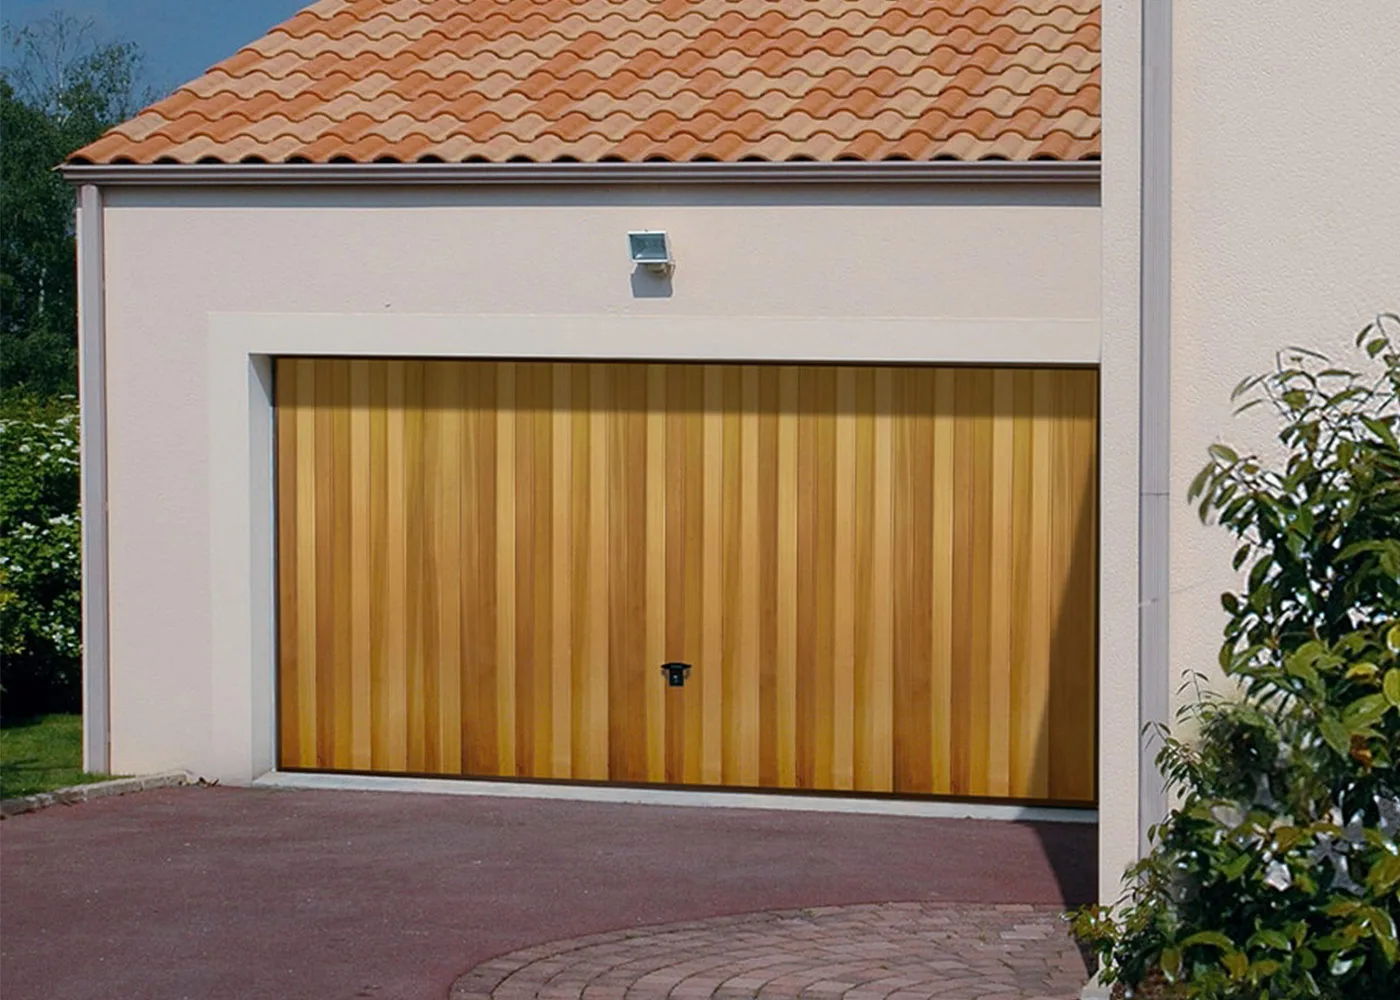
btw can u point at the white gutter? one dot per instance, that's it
(885, 172)
(92, 410)
(1154, 401)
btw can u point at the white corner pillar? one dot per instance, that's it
(92, 410)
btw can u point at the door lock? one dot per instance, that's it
(676, 673)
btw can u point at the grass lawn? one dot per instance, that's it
(41, 754)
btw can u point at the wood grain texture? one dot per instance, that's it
(884, 578)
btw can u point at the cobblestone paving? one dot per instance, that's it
(891, 951)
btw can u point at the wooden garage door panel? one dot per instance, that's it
(885, 577)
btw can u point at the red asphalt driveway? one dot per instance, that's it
(252, 893)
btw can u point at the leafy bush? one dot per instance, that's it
(1277, 873)
(40, 608)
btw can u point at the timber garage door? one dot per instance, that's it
(883, 578)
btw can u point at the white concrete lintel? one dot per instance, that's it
(863, 340)
(677, 797)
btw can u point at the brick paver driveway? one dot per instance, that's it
(900, 951)
(250, 893)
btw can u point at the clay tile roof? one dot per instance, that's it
(637, 80)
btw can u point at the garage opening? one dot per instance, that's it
(882, 579)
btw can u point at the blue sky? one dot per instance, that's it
(180, 38)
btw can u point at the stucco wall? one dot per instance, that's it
(1286, 231)
(744, 255)
(1285, 210)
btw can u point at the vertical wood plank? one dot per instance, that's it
(693, 648)
(541, 591)
(678, 581)
(324, 528)
(881, 587)
(656, 589)
(627, 747)
(787, 554)
(392, 701)
(845, 572)
(965, 597)
(562, 572)
(289, 665)
(1023, 729)
(750, 607)
(709, 675)
(596, 692)
(824, 489)
(449, 567)
(767, 501)
(433, 558)
(479, 579)
(871, 723)
(308, 509)
(340, 541)
(377, 462)
(998, 781)
(582, 667)
(978, 688)
(416, 591)
(808, 571)
(1075, 618)
(521, 479)
(916, 561)
(506, 530)
(944, 585)
(534, 636)
(360, 582)
(1039, 603)
(732, 746)
(1083, 696)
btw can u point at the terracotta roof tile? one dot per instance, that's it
(635, 80)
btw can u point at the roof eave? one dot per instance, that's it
(761, 172)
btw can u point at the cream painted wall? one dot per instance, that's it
(1285, 210)
(1286, 230)
(747, 258)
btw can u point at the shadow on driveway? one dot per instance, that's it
(250, 893)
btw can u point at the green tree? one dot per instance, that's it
(59, 90)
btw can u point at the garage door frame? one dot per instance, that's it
(239, 366)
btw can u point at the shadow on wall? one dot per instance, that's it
(646, 285)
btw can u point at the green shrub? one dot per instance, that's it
(1276, 875)
(40, 608)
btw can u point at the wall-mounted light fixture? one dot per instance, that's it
(651, 250)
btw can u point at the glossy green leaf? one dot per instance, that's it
(1335, 734)
(1236, 963)
(1384, 874)
(1365, 711)
(1272, 939)
(1170, 961)
(1213, 938)
(1364, 672)
(1391, 687)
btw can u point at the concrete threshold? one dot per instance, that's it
(677, 797)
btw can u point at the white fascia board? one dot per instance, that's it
(457, 174)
